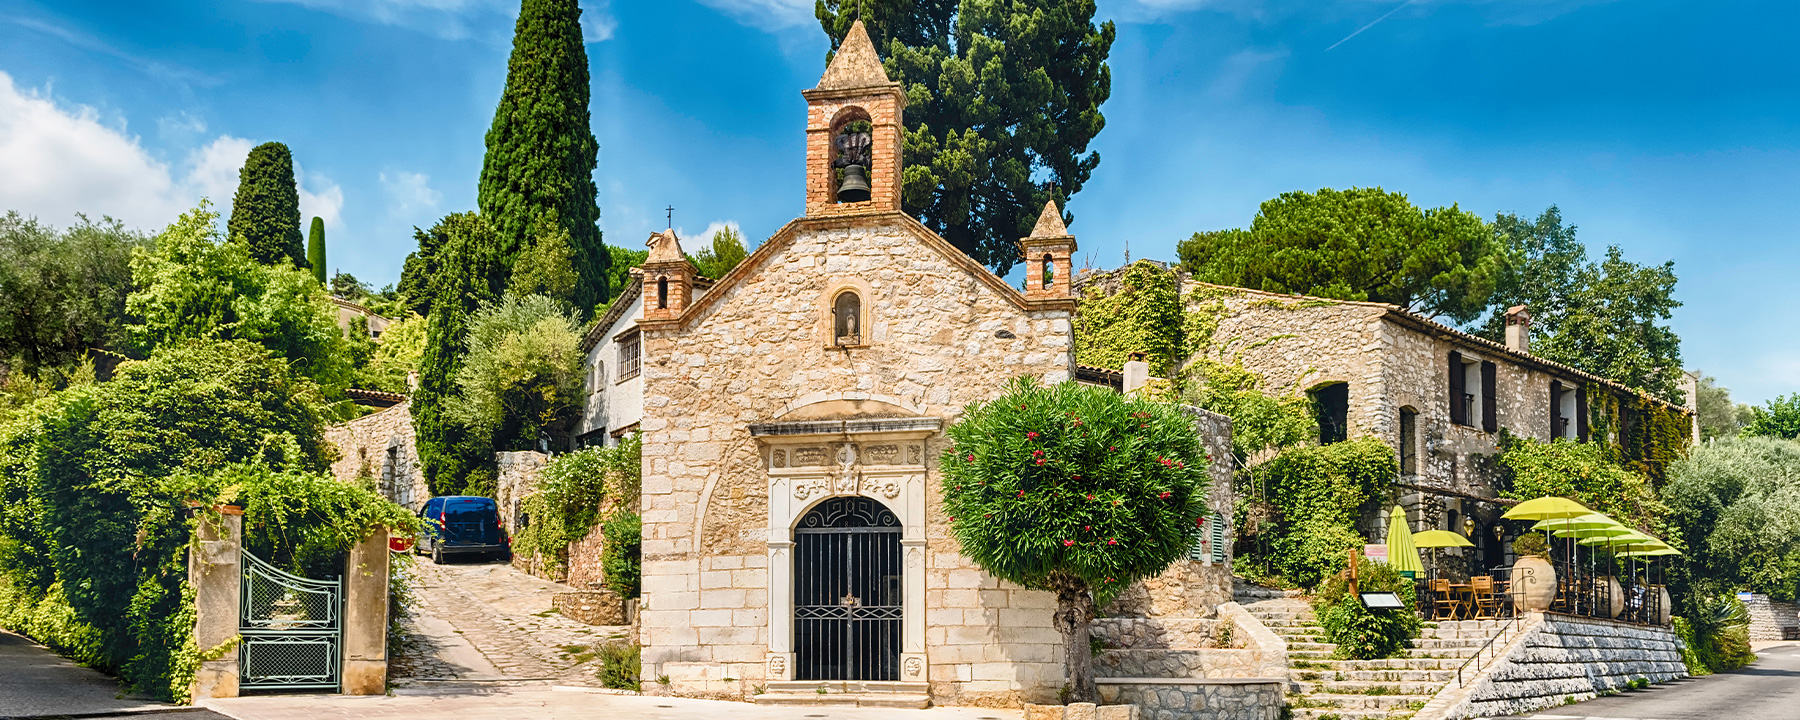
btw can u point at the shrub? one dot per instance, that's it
(1719, 633)
(1074, 489)
(622, 557)
(1319, 493)
(620, 665)
(1361, 633)
(572, 494)
(1531, 545)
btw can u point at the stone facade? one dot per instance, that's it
(614, 400)
(380, 446)
(1181, 699)
(1771, 619)
(1558, 657)
(1391, 364)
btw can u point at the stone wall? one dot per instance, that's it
(1235, 645)
(1560, 657)
(380, 446)
(1771, 619)
(1182, 699)
(940, 335)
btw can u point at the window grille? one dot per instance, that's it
(630, 351)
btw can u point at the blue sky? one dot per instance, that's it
(1669, 128)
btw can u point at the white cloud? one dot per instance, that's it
(486, 20)
(60, 162)
(410, 193)
(766, 14)
(694, 242)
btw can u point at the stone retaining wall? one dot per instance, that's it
(1564, 657)
(1181, 699)
(379, 446)
(1771, 619)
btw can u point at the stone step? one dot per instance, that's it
(1362, 688)
(1303, 646)
(1436, 677)
(1435, 643)
(1348, 714)
(1397, 664)
(1385, 703)
(871, 700)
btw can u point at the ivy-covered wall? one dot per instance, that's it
(1640, 433)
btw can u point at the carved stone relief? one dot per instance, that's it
(881, 454)
(810, 457)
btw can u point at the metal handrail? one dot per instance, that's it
(1506, 631)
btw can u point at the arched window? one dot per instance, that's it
(662, 293)
(846, 318)
(1049, 270)
(851, 144)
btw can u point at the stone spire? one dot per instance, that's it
(856, 64)
(664, 248)
(1050, 223)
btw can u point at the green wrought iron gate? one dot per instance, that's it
(292, 629)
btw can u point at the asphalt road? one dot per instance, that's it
(1768, 689)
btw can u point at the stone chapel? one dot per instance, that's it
(792, 419)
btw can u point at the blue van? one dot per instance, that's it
(463, 525)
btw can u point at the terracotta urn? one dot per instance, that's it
(1533, 584)
(1614, 592)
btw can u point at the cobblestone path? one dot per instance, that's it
(485, 621)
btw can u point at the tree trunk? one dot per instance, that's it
(1074, 616)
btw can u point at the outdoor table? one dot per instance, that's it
(1466, 592)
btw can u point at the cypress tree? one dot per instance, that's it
(541, 150)
(265, 214)
(315, 248)
(468, 273)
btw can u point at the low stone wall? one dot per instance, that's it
(594, 607)
(1081, 711)
(1234, 645)
(1185, 698)
(1771, 619)
(1559, 657)
(380, 446)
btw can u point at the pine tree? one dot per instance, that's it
(265, 214)
(1002, 101)
(315, 248)
(541, 150)
(468, 273)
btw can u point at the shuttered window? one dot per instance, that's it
(1581, 413)
(1218, 538)
(1556, 418)
(1459, 404)
(1490, 397)
(1209, 547)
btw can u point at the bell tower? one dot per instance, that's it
(1049, 260)
(668, 278)
(853, 132)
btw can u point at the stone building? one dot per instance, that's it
(1437, 395)
(614, 347)
(379, 448)
(792, 418)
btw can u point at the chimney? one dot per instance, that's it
(1137, 372)
(1518, 329)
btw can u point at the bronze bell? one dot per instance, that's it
(856, 185)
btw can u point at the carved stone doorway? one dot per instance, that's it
(848, 599)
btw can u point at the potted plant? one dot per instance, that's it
(1533, 577)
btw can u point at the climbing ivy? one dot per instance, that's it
(572, 499)
(1639, 432)
(1145, 315)
(1315, 495)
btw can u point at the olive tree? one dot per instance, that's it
(1075, 490)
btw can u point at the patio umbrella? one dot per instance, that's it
(1440, 538)
(1589, 521)
(1550, 508)
(1402, 553)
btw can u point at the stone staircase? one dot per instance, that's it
(1323, 688)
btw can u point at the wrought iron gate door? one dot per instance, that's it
(847, 592)
(291, 628)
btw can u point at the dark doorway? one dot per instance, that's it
(847, 601)
(1331, 403)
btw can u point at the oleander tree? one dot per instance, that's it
(1075, 490)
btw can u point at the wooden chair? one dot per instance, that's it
(1486, 604)
(1445, 604)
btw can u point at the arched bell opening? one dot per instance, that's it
(852, 140)
(848, 591)
(1049, 271)
(662, 293)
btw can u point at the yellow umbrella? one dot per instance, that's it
(1648, 552)
(1545, 508)
(1630, 537)
(1583, 522)
(1402, 553)
(1440, 538)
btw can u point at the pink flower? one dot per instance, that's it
(1021, 493)
(1088, 528)
(1067, 543)
(1163, 496)
(1031, 435)
(1037, 453)
(1199, 522)
(1090, 497)
(1040, 461)
(971, 457)
(1112, 541)
(1116, 502)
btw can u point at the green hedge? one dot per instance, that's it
(96, 482)
(1317, 494)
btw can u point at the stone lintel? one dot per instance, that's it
(845, 427)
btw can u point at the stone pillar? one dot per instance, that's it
(366, 616)
(215, 570)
